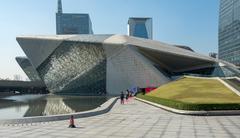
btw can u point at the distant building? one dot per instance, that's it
(140, 27)
(229, 31)
(68, 23)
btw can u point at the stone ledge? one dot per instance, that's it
(186, 112)
(104, 108)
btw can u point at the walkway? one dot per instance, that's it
(135, 119)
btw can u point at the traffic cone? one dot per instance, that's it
(71, 125)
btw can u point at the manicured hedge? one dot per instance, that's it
(190, 106)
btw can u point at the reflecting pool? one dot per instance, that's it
(19, 106)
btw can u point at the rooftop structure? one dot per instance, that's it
(140, 27)
(185, 47)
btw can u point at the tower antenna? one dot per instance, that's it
(60, 6)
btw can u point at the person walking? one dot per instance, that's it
(127, 95)
(122, 98)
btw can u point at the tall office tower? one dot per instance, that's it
(68, 23)
(140, 27)
(229, 31)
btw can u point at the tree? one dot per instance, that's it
(17, 77)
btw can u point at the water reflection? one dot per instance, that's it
(44, 105)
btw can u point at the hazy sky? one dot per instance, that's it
(186, 22)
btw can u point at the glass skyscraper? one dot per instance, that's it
(68, 23)
(229, 31)
(140, 27)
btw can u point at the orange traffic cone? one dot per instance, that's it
(71, 125)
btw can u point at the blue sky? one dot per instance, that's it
(187, 22)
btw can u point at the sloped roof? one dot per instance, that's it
(38, 47)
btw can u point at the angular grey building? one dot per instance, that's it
(229, 31)
(140, 27)
(27, 67)
(71, 23)
(109, 64)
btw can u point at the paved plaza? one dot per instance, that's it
(133, 120)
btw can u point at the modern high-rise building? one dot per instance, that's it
(68, 23)
(229, 31)
(140, 27)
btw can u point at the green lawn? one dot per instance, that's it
(195, 94)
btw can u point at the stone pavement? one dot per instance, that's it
(135, 119)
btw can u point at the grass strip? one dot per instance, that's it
(190, 106)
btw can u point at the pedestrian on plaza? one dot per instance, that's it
(122, 98)
(127, 95)
(130, 93)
